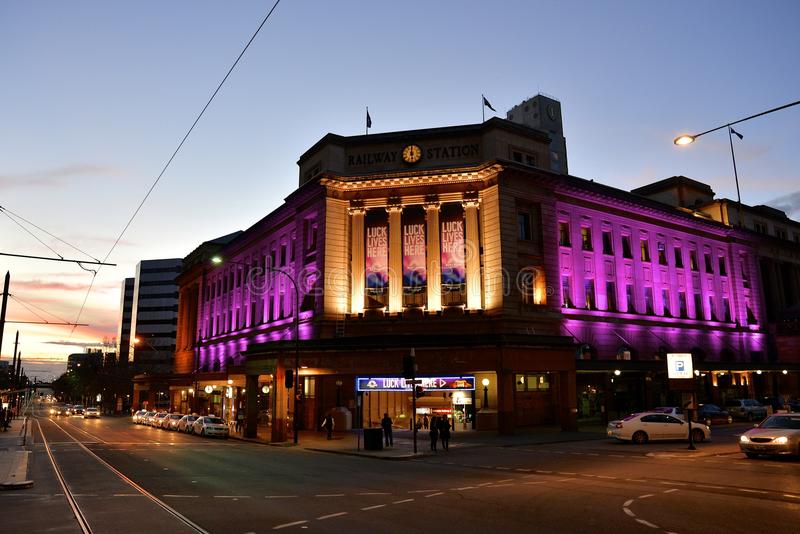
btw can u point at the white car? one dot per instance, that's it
(210, 425)
(170, 422)
(138, 417)
(91, 412)
(674, 411)
(185, 424)
(643, 427)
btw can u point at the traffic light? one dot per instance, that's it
(420, 391)
(409, 366)
(288, 379)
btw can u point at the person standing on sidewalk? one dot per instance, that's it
(3, 419)
(425, 421)
(434, 433)
(444, 432)
(386, 425)
(327, 423)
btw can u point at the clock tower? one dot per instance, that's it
(544, 113)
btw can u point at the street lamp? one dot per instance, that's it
(485, 383)
(218, 260)
(686, 139)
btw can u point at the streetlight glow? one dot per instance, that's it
(485, 382)
(216, 260)
(684, 140)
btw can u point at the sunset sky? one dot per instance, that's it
(96, 96)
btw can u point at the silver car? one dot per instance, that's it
(185, 424)
(210, 425)
(778, 434)
(170, 422)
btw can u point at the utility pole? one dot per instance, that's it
(14, 361)
(3, 308)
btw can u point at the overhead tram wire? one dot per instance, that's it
(175, 153)
(31, 233)
(31, 304)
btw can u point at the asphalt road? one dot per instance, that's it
(130, 478)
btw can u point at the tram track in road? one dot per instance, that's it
(78, 512)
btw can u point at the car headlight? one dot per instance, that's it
(744, 439)
(783, 440)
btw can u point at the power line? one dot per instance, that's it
(18, 216)
(79, 262)
(175, 153)
(26, 304)
(31, 233)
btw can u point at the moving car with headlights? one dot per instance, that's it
(185, 424)
(749, 409)
(91, 412)
(210, 425)
(777, 435)
(170, 422)
(77, 409)
(643, 427)
(711, 414)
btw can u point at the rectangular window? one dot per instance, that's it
(586, 238)
(563, 234)
(698, 306)
(524, 225)
(588, 286)
(780, 233)
(665, 302)
(644, 248)
(648, 301)
(726, 309)
(682, 305)
(662, 253)
(283, 255)
(626, 247)
(723, 271)
(566, 301)
(608, 249)
(611, 296)
(630, 298)
(678, 258)
(712, 315)
(693, 260)
(760, 227)
(745, 276)
(709, 263)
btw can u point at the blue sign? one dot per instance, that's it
(428, 383)
(679, 366)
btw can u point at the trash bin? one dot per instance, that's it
(373, 439)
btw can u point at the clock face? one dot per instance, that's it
(412, 154)
(551, 112)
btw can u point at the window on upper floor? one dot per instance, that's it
(566, 300)
(678, 258)
(588, 287)
(648, 301)
(723, 271)
(626, 247)
(284, 256)
(780, 233)
(586, 238)
(726, 309)
(797, 237)
(682, 305)
(524, 226)
(563, 234)
(630, 298)
(644, 248)
(709, 263)
(698, 306)
(665, 302)
(608, 247)
(611, 296)
(712, 311)
(662, 253)
(760, 227)
(693, 260)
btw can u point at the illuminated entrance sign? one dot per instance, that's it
(429, 383)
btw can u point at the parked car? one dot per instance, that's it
(711, 414)
(170, 422)
(674, 411)
(210, 425)
(148, 418)
(777, 434)
(91, 412)
(77, 409)
(185, 423)
(643, 427)
(747, 409)
(139, 416)
(157, 418)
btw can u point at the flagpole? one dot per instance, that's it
(367, 123)
(483, 109)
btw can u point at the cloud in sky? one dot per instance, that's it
(37, 284)
(57, 176)
(789, 203)
(68, 343)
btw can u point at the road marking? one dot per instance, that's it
(628, 511)
(791, 496)
(419, 491)
(484, 466)
(463, 488)
(182, 496)
(566, 473)
(523, 470)
(329, 516)
(376, 493)
(402, 501)
(84, 495)
(635, 480)
(674, 483)
(434, 494)
(504, 481)
(287, 525)
(577, 453)
(618, 455)
(751, 490)
(645, 496)
(563, 479)
(627, 503)
(647, 523)
(536, 482)
(499, 485)
(373, 507)
(503, 468)
(541, 471)
(592, 454)
(708, 486)
(606, 477)
(670, 490)
(128, 495)
(330, 495)
(231, 496)
(280, 497)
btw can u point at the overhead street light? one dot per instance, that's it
(219, 260)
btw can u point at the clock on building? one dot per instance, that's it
(412, 154)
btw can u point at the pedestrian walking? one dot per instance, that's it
(444, 432)
(239, 421)
(386, 425)
(434, 434)
(3, 419)
(327, 423)
(425, 421)
(7, 419)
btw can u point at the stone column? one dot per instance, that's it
(280, 403)
(395, 258)
(357, 260)
(473, 263)
(434, 257)
(251, 407)
(568, 401)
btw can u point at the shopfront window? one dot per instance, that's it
(533, 382)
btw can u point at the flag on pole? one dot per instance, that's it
(369, 119)
(487, 104)
(737, 134)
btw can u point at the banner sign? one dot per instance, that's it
(679, 365)
(430, 383)
(452, 243)
(377, 252)
(414, 270)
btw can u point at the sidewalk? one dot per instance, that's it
(352, 443)
(14, 458)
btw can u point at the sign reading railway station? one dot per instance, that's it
(429, 383)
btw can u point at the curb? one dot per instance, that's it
(365, 455)
(19, 471)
